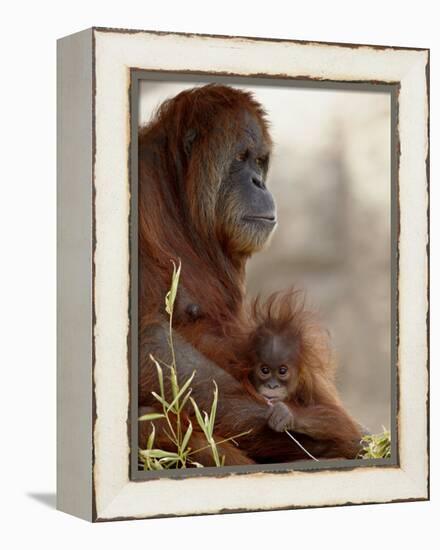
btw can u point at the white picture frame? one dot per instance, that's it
(95, 220)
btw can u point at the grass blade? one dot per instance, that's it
(161, 400)
(159, 375)
(198, 414)
(213, 409)
(187, 436)
(151, 437)
(181, 392)
(151, 416)
(171, 294)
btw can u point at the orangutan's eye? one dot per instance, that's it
(261, 162)
(241, 157)
(282, 370)
(264, 369)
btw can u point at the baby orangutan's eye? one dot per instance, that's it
(264, 369)
(282, 370)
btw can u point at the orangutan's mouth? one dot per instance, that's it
(265, 219)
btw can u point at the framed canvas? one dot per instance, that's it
(243, 289)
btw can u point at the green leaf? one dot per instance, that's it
(160, 399)
(376, 445)
(185, 399)
(151, 416)
(157, 453)
(171, 294)
(196, 464)
(214, 452)
(181, 392)
(168, 460)
(187, 436)
(174, 382)
(159, 375)
(213, 409)
(151, 437)
(206, 423)
(198, 414)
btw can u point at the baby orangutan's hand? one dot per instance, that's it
(280, 417)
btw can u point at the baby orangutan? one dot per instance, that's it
(275, 374)
(290, 367)
(280, 350)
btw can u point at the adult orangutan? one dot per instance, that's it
(203, 162)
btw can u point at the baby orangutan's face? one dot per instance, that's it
(272, 381)
(275, 373)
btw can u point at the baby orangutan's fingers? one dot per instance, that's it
(280, 417)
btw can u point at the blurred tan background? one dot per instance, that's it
(330, 175)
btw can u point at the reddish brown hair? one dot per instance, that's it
(177, 199)
(284, 314)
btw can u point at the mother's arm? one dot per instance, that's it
(237, 411)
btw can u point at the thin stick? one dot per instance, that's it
(220, 442)
(299, 445)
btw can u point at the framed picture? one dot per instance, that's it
(242, 274)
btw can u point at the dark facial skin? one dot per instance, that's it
(275, 372)
(272, 382)
(275, 375)
(248, 208)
